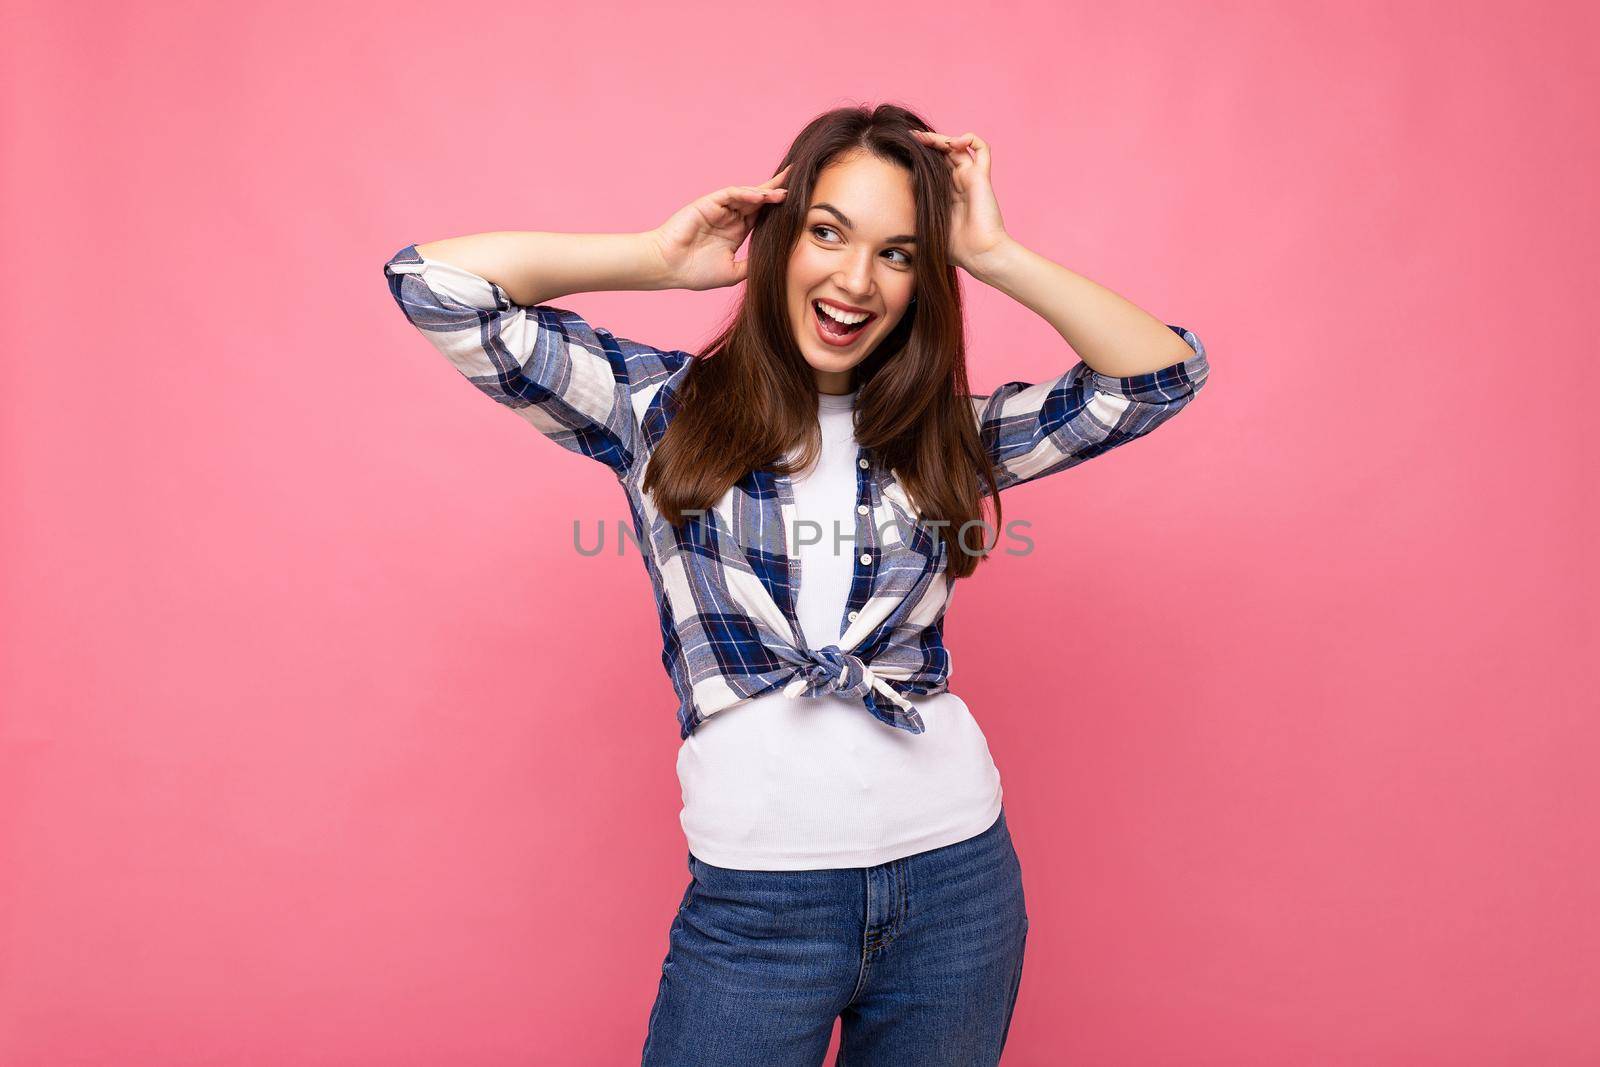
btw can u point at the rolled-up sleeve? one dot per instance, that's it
(573, 382)
(1031, 431)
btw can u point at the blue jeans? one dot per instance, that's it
(920, 958)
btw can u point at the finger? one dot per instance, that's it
(940, 142)
(963, 153)
(743, 204)
(980, 151)
(741, 198)
(953, 148)
(961, 146)
(730, 205)
(776, 179)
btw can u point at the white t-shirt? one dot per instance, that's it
(803, 783)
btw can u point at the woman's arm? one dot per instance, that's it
(1033, 430)
(572, 381)
(1114, 336)
(1135, 371)
(534, 267)
(484, 301)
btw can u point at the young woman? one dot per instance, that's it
(805, 491)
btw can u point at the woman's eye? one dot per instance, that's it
(830, 229)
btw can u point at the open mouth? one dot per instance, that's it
(832, 328)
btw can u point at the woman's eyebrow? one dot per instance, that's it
(898, 239)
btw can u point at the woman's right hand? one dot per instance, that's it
(698, 242)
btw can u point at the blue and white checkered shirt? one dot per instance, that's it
(724, 584)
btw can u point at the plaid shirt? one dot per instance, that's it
(724, 583)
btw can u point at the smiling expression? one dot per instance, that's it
(857, 249)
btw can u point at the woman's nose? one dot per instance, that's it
(856, 278)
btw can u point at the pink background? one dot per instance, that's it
(322, 746)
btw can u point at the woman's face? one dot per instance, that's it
(857, 249)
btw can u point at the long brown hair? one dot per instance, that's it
(750, 398)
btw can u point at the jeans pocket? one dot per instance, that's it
(688, 897)
(675, 931)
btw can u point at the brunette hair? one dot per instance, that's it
(750, 398)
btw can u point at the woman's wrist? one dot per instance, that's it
(656, 271)
(991, 265)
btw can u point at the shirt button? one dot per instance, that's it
(866, 557)
(864, 463)
(861, 509)
(853, 615)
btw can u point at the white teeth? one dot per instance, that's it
(846, 317)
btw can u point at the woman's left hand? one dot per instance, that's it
(976, 228)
